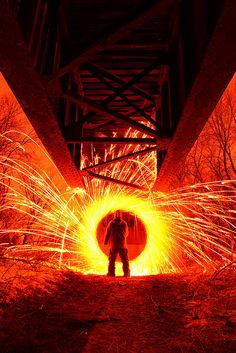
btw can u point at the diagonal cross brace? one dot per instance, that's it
(112, 180)
(118, 93)
(125, 85)
(121, 158)
(109, 113)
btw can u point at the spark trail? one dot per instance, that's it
(192, 226)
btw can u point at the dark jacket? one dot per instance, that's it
(116, 234)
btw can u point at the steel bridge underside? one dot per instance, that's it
(80, 76)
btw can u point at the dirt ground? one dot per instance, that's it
(44, 310)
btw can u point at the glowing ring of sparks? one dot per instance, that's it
(152, 260)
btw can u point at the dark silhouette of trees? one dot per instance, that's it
(213, 158)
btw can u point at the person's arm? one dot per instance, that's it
(108, 233)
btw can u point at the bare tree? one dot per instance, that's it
(12, 147)
(213, 156)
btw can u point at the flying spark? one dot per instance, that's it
(191, 226)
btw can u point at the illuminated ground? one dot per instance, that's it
(47, 310)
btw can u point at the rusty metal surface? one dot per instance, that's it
(16, 67)
(217, 69)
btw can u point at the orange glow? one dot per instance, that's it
(137, 239)
(154, 257)
(191, 226)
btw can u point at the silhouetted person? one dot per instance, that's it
(116, 234)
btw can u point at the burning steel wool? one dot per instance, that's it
(192, 226)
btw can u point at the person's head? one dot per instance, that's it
(118, 214)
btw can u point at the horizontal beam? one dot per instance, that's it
(116, 140)
(141, 46)
(122, 158)
(98, 125)
(84, 101)
(135, 21)
(115, 181)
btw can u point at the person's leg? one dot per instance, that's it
(125, 261)
(111, 264)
